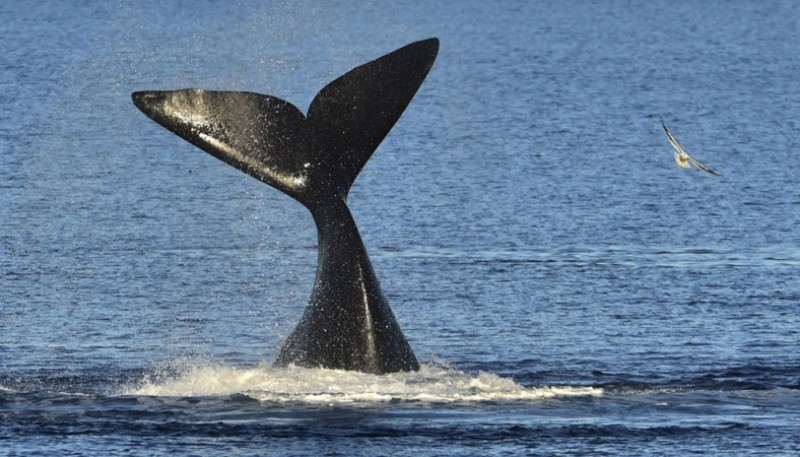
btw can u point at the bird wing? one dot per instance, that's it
(701, 166)
(672, 139)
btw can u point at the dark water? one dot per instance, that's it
(568, 288)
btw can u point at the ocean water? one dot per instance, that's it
(568, 289)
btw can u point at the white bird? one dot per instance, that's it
(683, 159)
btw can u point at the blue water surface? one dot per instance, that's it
(567, 287)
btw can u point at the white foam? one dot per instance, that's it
(431, 384)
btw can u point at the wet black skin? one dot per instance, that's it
(348, 323)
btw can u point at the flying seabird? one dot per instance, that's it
(683, 159)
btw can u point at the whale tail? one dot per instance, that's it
(315, 159)
(270, 139)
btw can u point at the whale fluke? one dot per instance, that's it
(315, 158)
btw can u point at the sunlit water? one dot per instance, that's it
(298, 385)
(568, 289)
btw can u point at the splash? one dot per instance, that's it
(431, 384)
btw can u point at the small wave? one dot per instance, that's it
(431, 384)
